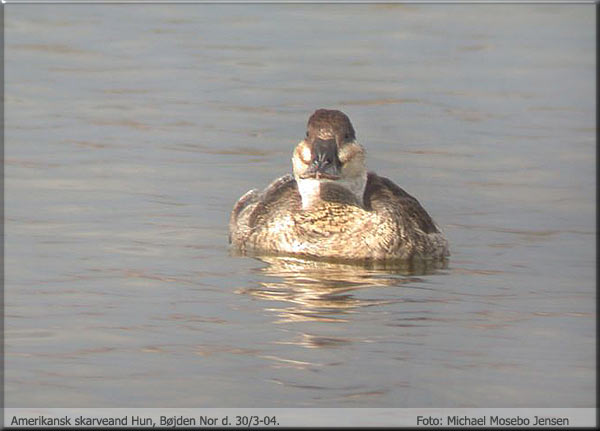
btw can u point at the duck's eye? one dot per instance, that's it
(307, 133)
(347, 136)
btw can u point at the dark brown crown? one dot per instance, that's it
(332, 122)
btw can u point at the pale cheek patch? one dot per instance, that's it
(353, 167)
(343, 154)
(299, 162)
(350, 151)
(298, 166)
(306, 154)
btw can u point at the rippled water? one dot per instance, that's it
(131, 131)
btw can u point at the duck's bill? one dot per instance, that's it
(325, 163)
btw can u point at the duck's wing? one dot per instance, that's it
(280, 196)
(385, 197)
(254, 209)
(236, 219)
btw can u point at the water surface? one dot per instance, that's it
(132, 130)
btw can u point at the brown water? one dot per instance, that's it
(131, 130)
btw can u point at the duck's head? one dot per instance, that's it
(329, 154)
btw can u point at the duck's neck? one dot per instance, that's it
(310, 189)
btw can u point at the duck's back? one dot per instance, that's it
(409, 229)
(391, 224)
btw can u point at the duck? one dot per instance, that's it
(331, 207)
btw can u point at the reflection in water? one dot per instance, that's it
(322, 291)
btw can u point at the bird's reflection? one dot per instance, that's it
(330, 291)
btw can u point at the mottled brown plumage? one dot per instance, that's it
(345, 214)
